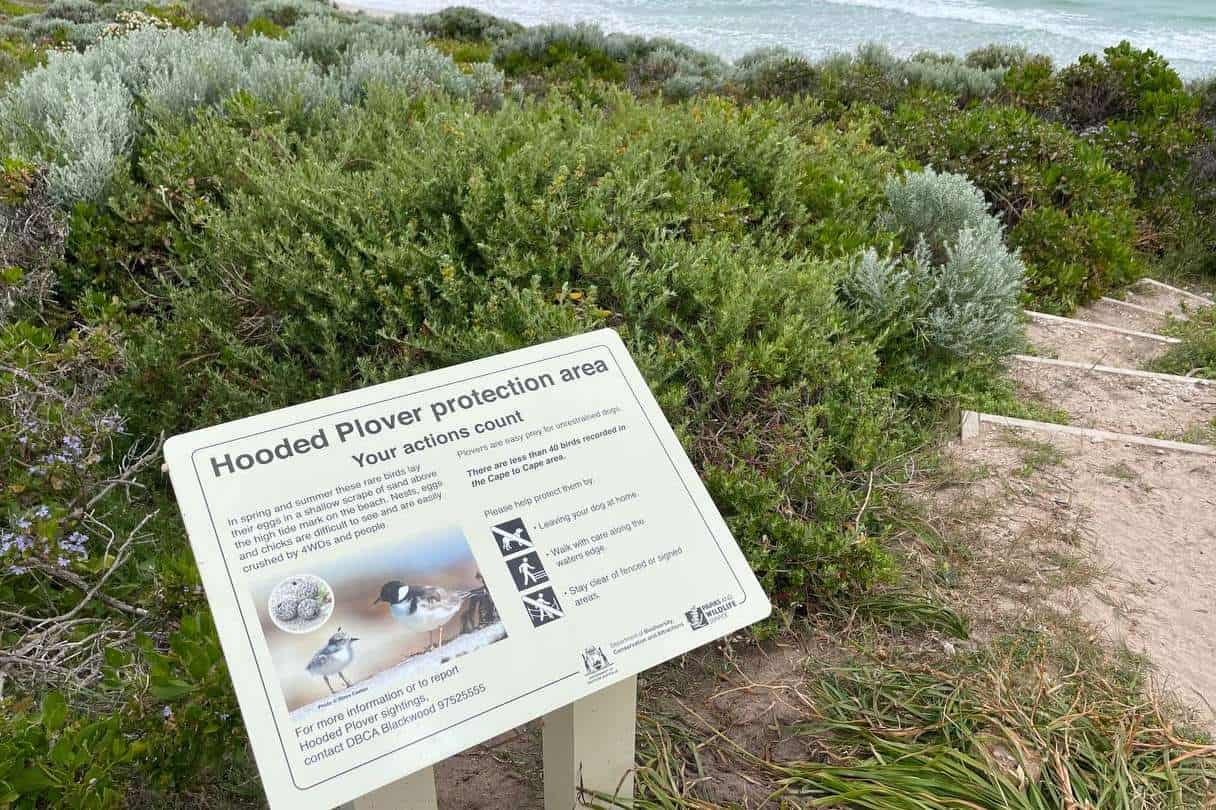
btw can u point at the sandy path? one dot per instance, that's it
(1144, 518)
(1137, 514)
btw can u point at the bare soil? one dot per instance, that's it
(749, 693)
(1110, 532)
(1065, 341)
(1124, 404)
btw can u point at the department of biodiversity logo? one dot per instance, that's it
(596, 664)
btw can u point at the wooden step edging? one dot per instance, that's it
(972, 421)
(1127, 372)
(1184, 293)
(1043, 316)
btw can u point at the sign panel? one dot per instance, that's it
(403, 571)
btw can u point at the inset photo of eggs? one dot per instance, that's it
(301, 603)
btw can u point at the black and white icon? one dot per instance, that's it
(512, 536)
(527, 571)
(696, 618)
(543, 607)
(594, 660)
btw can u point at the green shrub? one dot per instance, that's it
(440, 237)
(567, 52)
(264, 28)
(80, 773)
(1196, 355)
(1068, 211)
(463, 52)
(775, 73)
(465, 24)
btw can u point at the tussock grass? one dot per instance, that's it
(1032, 723)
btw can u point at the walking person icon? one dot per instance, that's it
(527, 570)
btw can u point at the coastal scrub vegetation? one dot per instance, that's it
(215, 208)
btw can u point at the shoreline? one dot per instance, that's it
(905, 31)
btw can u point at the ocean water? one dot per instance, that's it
(1184, 31)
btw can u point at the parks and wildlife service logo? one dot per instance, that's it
(696, 618)
(699, 616)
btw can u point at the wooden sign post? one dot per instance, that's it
(401, 572)
(588, 750)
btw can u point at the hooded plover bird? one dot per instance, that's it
(335, 656)
(424, 608)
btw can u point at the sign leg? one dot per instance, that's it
(589, 746)
(414, 792)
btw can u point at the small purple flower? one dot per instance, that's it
(63, 562)
(42, 512)
(166, 713)
(16, 570)
(22, 523)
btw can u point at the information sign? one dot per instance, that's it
(403, 571)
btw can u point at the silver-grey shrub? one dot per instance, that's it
(221, 12)
(422, 71)
(973, 298)
(958, 288)
(951, 77)
(325, 39)
(322, 38)
(933, 206)
(78, 112)
(998, 55)
(75, 117)
(77, 11)
(927, 69)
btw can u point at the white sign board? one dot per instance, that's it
(403, 571)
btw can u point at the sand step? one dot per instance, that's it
(976, 426)
(1163, 298)
(1112, 312)
(1090, 342)
(1120, 400)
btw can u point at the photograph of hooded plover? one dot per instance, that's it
(394, 609)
